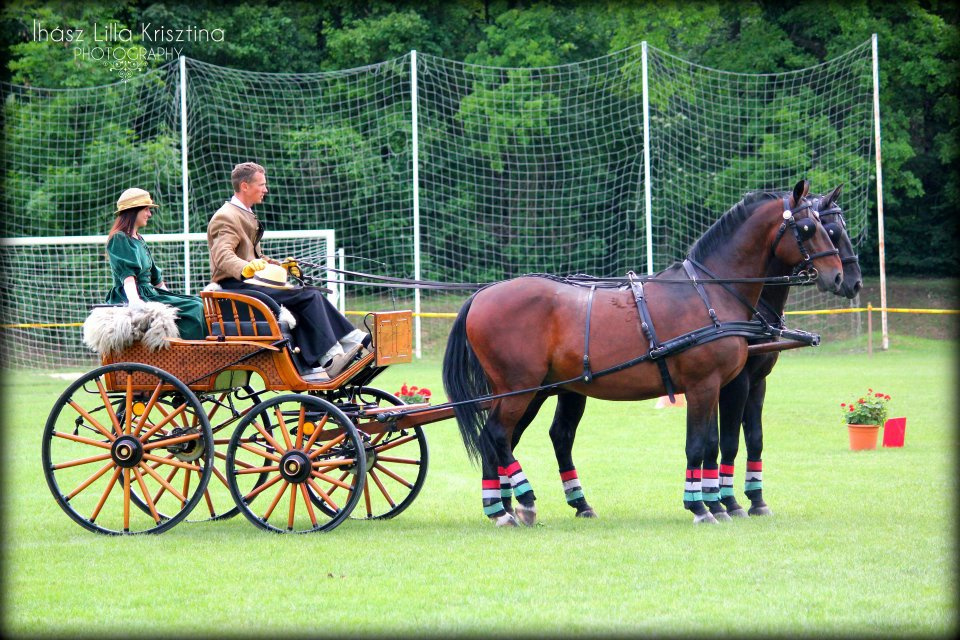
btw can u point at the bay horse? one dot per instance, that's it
(530, 337)
(741, 400)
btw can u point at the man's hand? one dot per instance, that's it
(290, 264)
(252, 267)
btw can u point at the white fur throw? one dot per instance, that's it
(111, 329)
(285, 314)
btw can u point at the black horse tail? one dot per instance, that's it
(464, 379)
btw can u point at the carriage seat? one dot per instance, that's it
(249, 315)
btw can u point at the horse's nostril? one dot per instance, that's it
(856, 287)
(837, 281)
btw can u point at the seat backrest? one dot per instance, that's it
(246, 315)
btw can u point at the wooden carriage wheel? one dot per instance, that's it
(396, 461)
(224, 409)
(121, 433)
(310, 448)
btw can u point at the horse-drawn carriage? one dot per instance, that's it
(140, 443)
(137, 444)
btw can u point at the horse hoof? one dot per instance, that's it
(704, 518)
(737, 513)
(506, 520)
(527, 515)
(722, 516)
(760, 511)
(587, 513)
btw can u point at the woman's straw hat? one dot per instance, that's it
(134, 198)
(272, 275)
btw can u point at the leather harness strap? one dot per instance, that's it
(587, 375)
(646, 323)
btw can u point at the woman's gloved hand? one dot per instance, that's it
(253, 266)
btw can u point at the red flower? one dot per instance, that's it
(861, 401)
(425, 392)
(851, 408)
(403, 390)
(843, 404)
(886, 397)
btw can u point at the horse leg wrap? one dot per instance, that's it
(506, 493)
(492, 505)
(726, 491)
(711, 486)
(521, 486)
(572, 490)
(692, 492)
(753, 481)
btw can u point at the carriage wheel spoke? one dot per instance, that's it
(86, 483)
(266, 436)
(396, 443)
(81, 439)
(186, 482)
(89, 418)
(171, 461)
(309, 504)
(75, 463)
(106, 493)
(258, 490)
(326, 478)
(335, 441)
(109, 407)
(126, 494)
(173, 472)
(323, 494)
(317, 428)
(167, 418)
(166, 485)
(146, 495)
(128, 415)
(146, 412)
(283, 427)
(166, 442)
(341, 479)
(260, 452)
(293, 506)
(209, 501)
(383, 489)
(393, 475)
(276, 499)
(366, 499)
(300, 421)
(397, 460)
(259, 470)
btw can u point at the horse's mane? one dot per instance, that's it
(729, 222)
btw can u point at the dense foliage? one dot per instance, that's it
(918, 69)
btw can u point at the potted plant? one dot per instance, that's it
(864, 417)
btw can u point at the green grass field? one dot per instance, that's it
(861, 543)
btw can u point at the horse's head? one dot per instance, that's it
(811, 246)
(831, 216)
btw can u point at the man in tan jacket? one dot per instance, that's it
(327, 340)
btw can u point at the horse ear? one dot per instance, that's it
(800, 192)
(831, 197)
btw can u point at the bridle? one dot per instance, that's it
(834, 210)
(790, 222)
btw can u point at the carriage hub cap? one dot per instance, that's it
(126, 451)
(295, 466)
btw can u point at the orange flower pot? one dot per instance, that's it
(863, 436)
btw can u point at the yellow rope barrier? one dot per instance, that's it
(450, 316)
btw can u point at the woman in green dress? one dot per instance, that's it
(136, 277)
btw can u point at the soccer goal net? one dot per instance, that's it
(420, 164)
